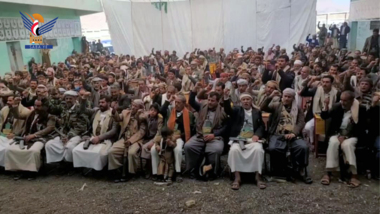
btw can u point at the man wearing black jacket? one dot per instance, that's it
(284, 78)
(347, 128)
(248, 125)
(325, 91)
(210, 127)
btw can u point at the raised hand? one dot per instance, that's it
(327, 102)
(275, 93)
(226, 93)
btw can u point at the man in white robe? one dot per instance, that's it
(248, 127)
(38, 129)
(73, 124)
(93, 151)
(10, 126)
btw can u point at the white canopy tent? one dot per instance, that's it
(137, 26)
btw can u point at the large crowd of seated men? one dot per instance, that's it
(170, 117)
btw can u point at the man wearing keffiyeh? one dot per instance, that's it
(284, 127)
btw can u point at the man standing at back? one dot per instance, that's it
(372, 43)
(344, 31)
(322, 34)
(99, 46)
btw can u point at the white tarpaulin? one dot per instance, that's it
(137, 26)
(238, 31)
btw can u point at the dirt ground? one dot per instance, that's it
(62, 194)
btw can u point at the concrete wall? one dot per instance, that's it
(358, 36)
(59, 53)
(5, 64)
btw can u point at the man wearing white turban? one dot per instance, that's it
(73, 124)
(247, 125)
(285, 128)
(235, 93)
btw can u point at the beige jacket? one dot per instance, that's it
(18, 125)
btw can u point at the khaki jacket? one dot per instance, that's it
(124, 119)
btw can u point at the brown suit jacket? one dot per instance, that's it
(275, 109)
(367, 44)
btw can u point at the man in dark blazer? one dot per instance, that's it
(347, 128)
(284, 128)
(344, 31)
(282, 75)
(246, 124)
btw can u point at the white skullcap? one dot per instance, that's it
(62, 90)
(50, 69)
(242, 82)
(42, 86)
(289, 91)
(71, 93)
(96, 79)
(245, 94)
(298, 62)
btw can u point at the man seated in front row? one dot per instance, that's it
(246, 124)
(208, 141)
(38, 127)
(10, 126)
(347, 127)
(72, 124)
(131, 136)
(102, 132)
(285, 126)
(181, 121)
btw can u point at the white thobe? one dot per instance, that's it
(24, 159)
(95, 157)
(4, 144)
(57, 151)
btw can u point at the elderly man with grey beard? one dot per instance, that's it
(347, 129)
(298, 84)
(285, 142)
(247, 127)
